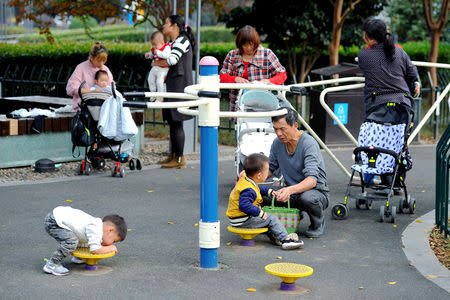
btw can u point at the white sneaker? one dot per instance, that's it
(55, 269)
(293, 236)
(77, 260)
(290, 244)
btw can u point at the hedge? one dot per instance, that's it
(126, 33)
(128, 64)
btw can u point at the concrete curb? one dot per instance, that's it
(418, 251)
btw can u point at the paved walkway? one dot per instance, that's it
(357, 258)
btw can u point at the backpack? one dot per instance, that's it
(83, 129)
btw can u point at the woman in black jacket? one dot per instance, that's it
(178, 77)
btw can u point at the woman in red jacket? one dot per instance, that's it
(250, 62)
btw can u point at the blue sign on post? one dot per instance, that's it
(341, 111)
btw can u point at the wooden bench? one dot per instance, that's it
(21, 146)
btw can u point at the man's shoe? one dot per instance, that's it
(55, 269)
(290, 244)
(314, 233)
(77, 260)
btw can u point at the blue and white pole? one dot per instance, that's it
(209, 226)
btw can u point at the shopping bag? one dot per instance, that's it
(289, 217)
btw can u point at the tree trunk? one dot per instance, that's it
(336, 33)
(334, 46)
(434, 51)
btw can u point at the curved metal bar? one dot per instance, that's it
(429, 113)
(331, 113)
(194, 112)
(168, 104)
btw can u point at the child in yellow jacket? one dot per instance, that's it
(244, 205)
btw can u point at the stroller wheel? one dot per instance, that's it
(393, 213)
(131, 164)
(368, 204)
(88, 169)
(400, 206)
(113, 170)
(101, 163)
(382, 210)
(79, 170)
(339, 211)
(122, 171)
(138, 164)
(412, 207)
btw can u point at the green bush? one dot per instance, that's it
(78, 23)
(130, 68)
(125, 33)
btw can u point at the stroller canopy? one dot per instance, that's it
(257, 100)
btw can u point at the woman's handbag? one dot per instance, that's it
(289, 217)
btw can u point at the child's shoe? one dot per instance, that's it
(293, 236)
(290, 244)
(77, 260)
(55, 269)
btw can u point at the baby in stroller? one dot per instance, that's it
(107, 128)
(382, 150)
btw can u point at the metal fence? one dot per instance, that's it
(442, 181)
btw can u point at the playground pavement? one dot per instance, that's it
(356, 258)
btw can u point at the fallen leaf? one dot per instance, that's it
(196, 224)
(228, 244)
(170, 223)
(394, 226)
(392, 282)
(129, 229)
(222, 172)
(251, 290)
(177, 178)
(150, 191)
(279, 257)
(68, 200)
(426, 231)
(418, 221)
(300, 251)
(361, 287)
(45, 259)
(431, 276)
(422, 191)
(324, 246)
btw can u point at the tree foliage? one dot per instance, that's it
(304, 26)
(404, 21)
(153, 11)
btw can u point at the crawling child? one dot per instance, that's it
(72, 227)
(160, 50)
(244, 206)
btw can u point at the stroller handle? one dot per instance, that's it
(208, 94)
(134, 94)
(298, 90)
(80, 87)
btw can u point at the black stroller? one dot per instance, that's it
(382, 150)
(98, 148)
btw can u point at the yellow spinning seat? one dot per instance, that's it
(288, 273)
(90, 259)
(247, 234)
